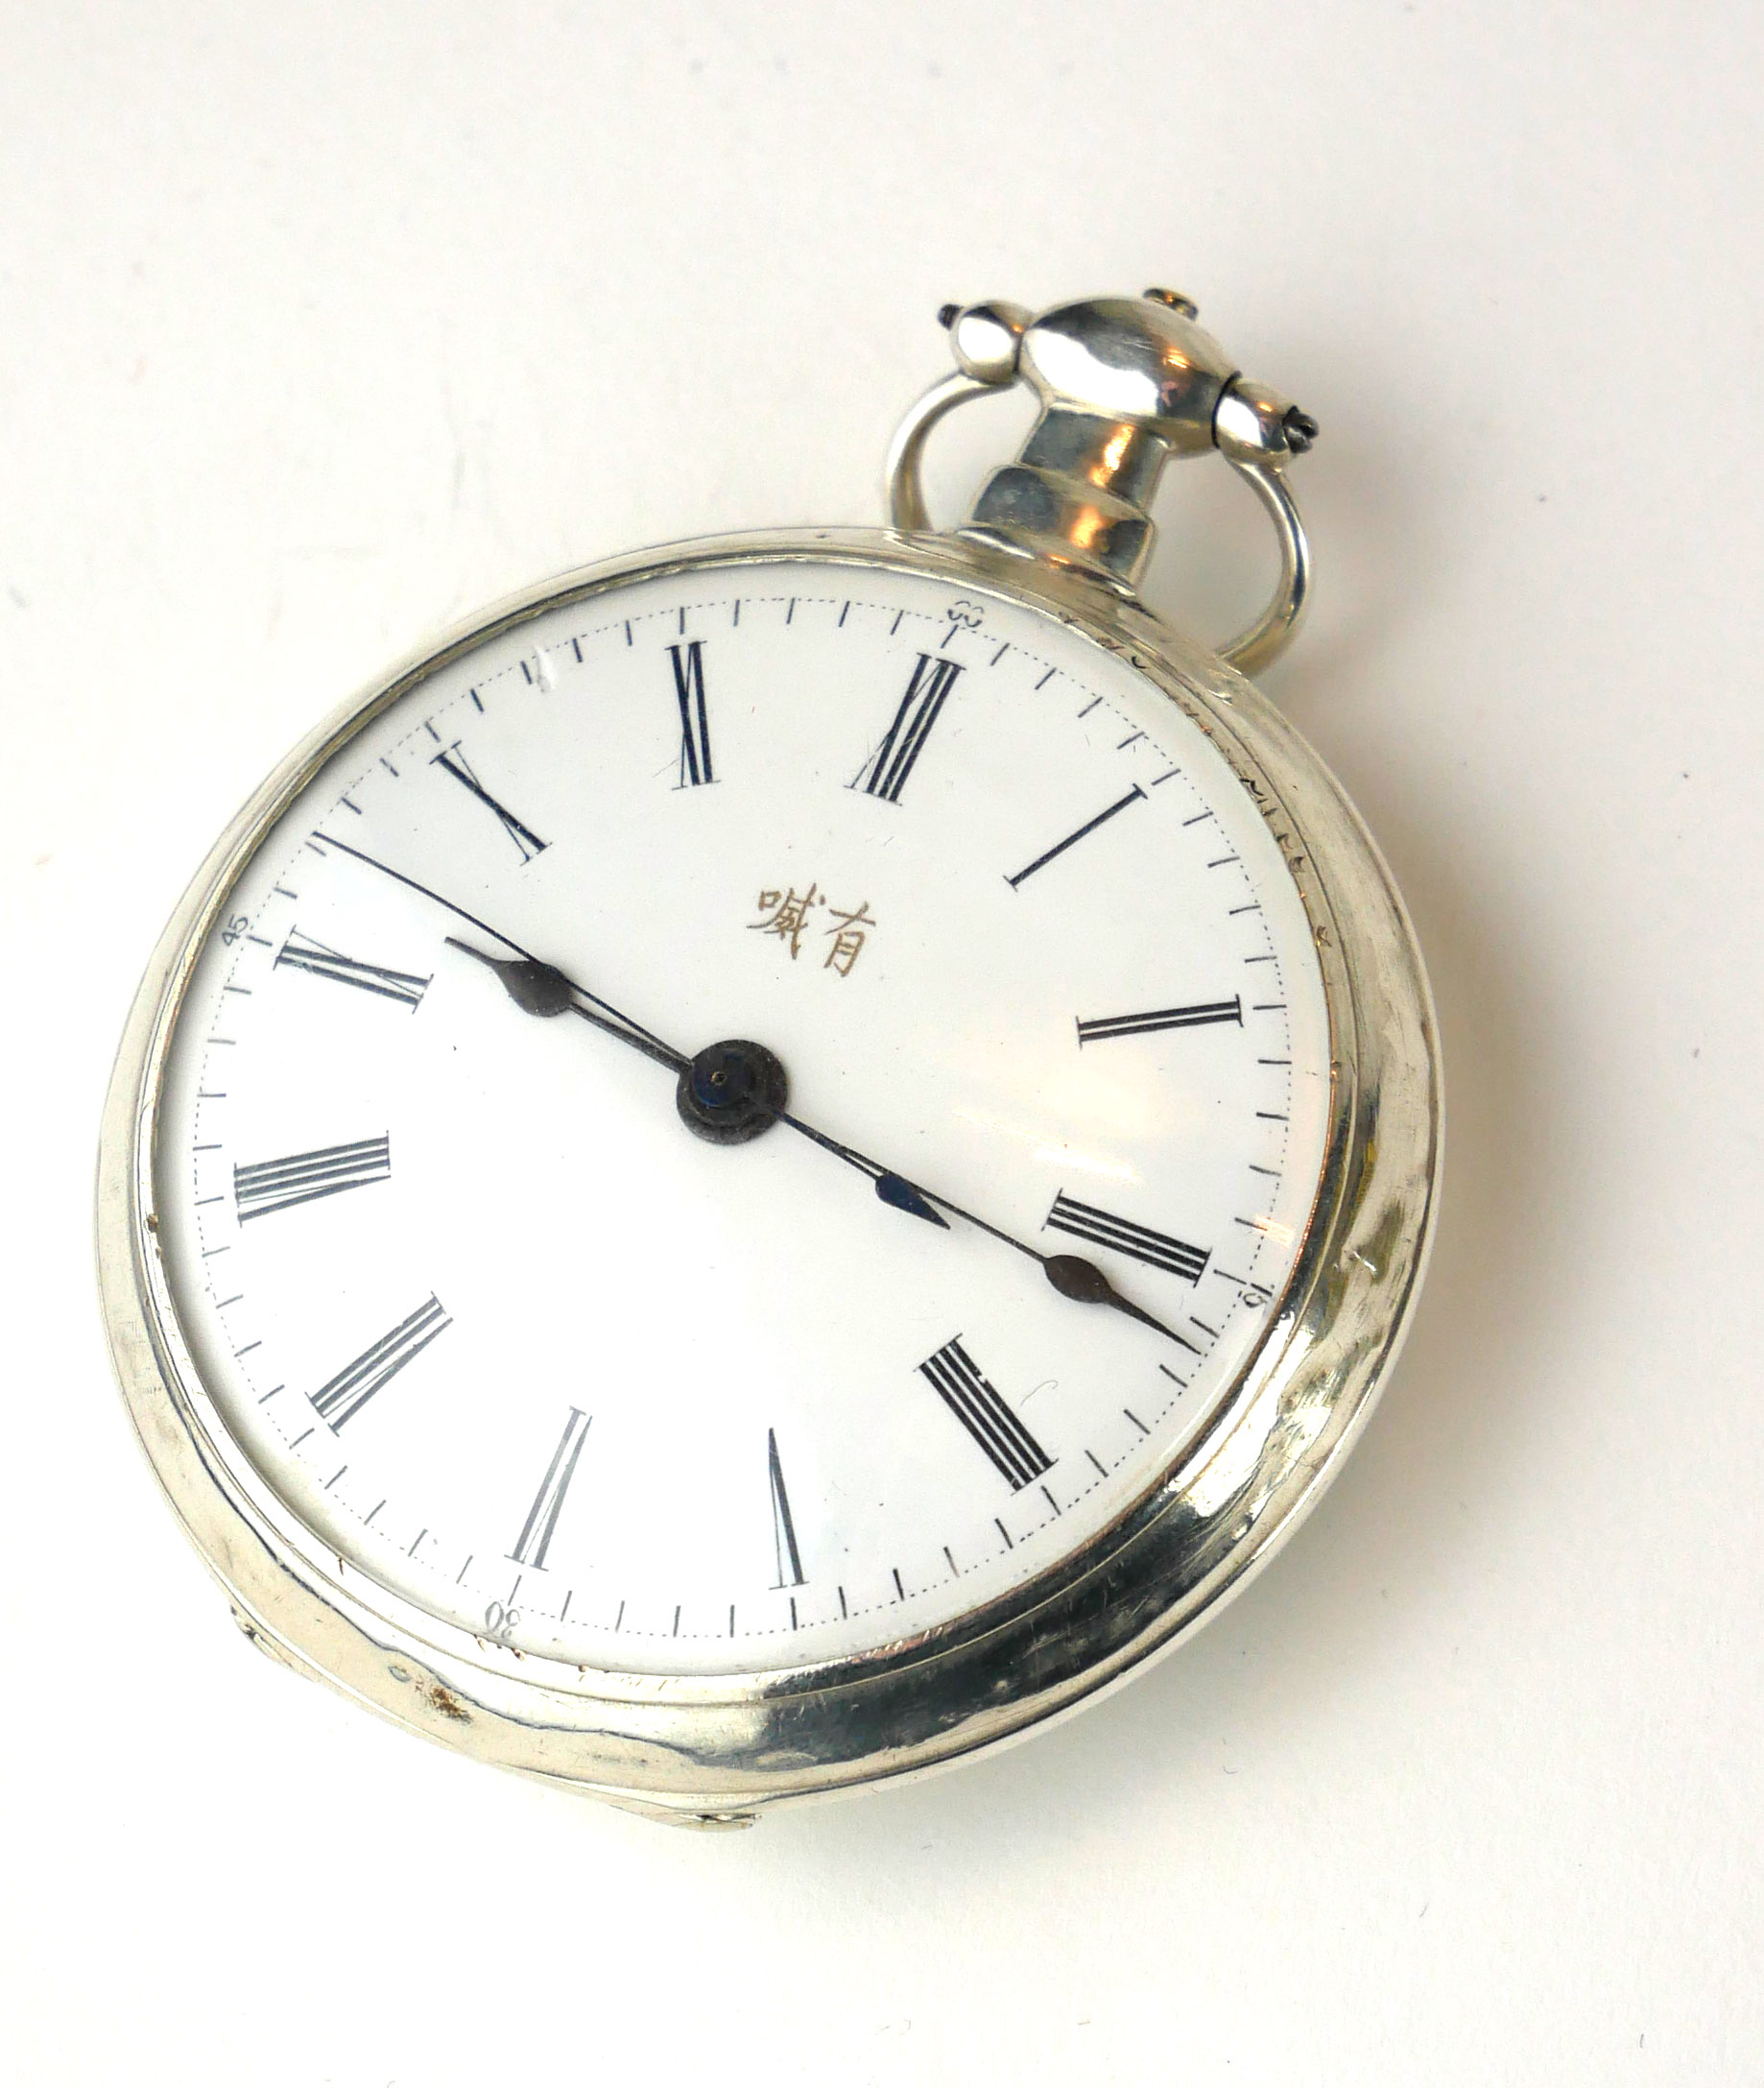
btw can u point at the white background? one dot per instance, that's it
(318, 326)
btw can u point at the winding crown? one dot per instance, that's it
(1125, 385)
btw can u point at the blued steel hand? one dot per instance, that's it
(541, 989)
(1071, 1275)
(531, 984)
(538, 988)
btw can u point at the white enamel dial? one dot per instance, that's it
(516, 1345)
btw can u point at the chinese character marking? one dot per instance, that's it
(785, 915)
(784, 912)
(848, 938)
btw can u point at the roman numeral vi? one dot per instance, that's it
(783, 1528)
(542, 1524)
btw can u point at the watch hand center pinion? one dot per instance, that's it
(731, 1091)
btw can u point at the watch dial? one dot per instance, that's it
(743, 1118)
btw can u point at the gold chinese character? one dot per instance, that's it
(788, 915)
(848, 938)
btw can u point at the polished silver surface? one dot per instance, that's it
(1124, 385)
(713, 1751)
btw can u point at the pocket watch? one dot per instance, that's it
(785, 1157)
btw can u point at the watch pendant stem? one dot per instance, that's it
(1125, 385)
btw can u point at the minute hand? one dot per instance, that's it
(1071, 1275)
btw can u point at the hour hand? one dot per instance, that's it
(541, 989)
(538, 988)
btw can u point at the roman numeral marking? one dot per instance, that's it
(303, 953)
(694, 725)
(957, 1379)
(885, 774)
(354, 1385)
(459, 769)
(1140, 1026)
(1072, 839)
(783, 1529)
(542, 1524)
(302, 1178)
(1083, 1221)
